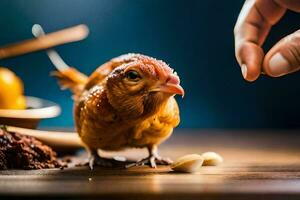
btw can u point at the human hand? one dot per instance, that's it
(252, 27)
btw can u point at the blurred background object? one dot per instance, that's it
(194, 37)
(12, 89)
(71, 34)
(36, 110)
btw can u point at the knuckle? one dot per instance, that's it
(290, 47)
(290, 4)
(239, 49)
(294, 52)
(238, 28)
(235, 29)
(293, 38)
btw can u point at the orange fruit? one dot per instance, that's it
(11, 90)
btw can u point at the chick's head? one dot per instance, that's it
(141, 85)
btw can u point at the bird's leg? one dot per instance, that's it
(96, 160)
(152, 159)
(158, 159)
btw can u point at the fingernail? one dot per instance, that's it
(244, 70)
(278, 65)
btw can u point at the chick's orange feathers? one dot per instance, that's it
(127, 102)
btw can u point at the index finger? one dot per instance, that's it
(250, 32)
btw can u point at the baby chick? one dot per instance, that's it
(127, 102)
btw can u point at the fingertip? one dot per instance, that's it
(250, 57)
(249, 72)
(272, 65)
(283, 57)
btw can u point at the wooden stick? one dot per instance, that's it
(60, 37)
(55, 139)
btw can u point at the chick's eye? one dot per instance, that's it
(133, 75)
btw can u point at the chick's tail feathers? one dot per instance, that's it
(71, 79)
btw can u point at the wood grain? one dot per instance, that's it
(258, 164)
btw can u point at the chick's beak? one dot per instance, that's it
(172, 89)
(171, 86)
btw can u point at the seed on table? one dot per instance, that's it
(189, 163)
(211, 159)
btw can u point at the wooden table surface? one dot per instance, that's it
(258, 164)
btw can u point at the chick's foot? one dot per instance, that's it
(96, 160)
(152, 161)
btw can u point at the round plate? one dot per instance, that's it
(36, 109)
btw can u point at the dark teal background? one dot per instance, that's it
(195, 37)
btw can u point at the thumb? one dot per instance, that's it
(284, 57)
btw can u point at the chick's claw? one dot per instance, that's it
(96, 160)
(153, 161)
(163, 161)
